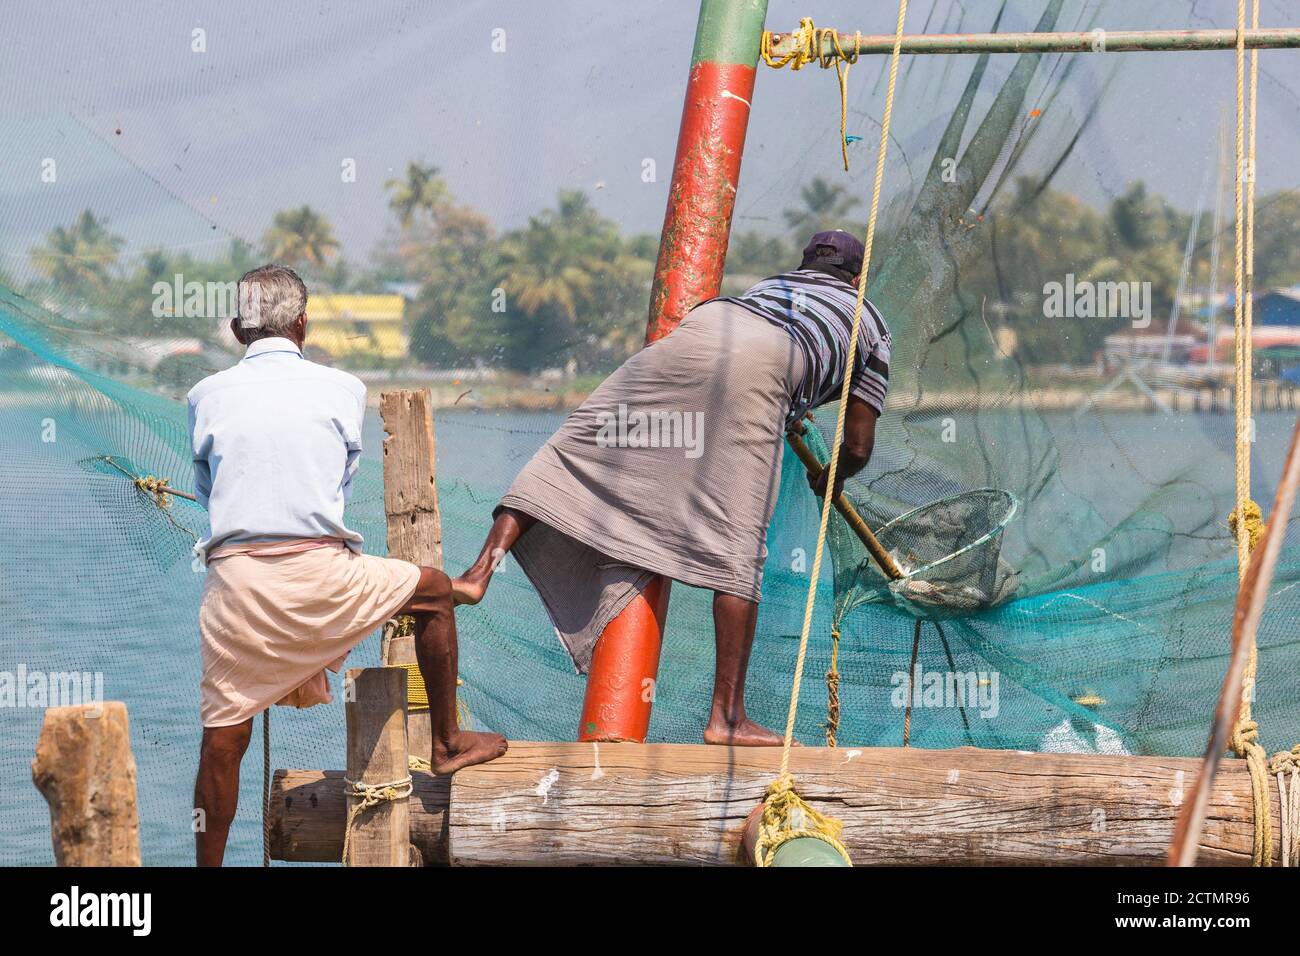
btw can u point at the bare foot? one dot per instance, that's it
(746, 733)
(467, 749)
(467, 589)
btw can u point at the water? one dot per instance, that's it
(75, 613)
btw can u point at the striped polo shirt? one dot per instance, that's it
(816, 309)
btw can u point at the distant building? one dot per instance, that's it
(1278, 307)
(357, 325)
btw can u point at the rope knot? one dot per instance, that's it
(372, 795)
(1286, 761)
(1244, 736)
(786, 816)
(1252, 525)
(811, 44)
(157, 487)
(780, 787)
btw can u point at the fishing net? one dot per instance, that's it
(1068, 559)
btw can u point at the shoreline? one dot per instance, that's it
(1269, 396)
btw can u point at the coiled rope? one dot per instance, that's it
(807, 44)
(786, 816)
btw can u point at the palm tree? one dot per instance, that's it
(824, 207)
(80, 256)
(555, 271)
(300, 236)
(422, 190)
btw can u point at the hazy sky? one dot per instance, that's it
(186, 149)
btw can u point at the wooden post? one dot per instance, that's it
(375, 697)
(686, 804)
(414, 518)
(410, 495)
(85, 772)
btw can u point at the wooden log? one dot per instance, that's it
(86, 773)
(574, 803)
(377, 755)
(309, 809)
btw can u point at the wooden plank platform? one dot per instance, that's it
(663, 804)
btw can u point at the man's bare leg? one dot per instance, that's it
(216, 789)
(733, 625)
(470, 587)
(436, 653)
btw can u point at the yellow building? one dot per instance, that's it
(357, 324)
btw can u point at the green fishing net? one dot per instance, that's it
(1068, 566)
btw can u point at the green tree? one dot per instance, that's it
(825, 206)
(1277, 242)
(572, 286)
(754, 254)
(452, 257)
(79, 258)
(300, 237)
(422, 191)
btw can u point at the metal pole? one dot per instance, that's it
(692, 250)
(1094, 41)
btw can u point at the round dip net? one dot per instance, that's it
(949, 554)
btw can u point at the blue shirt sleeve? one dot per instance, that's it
(353, 439)
(202, 472)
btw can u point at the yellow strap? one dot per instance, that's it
(783, 803)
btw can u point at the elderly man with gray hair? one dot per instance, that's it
(276, 442)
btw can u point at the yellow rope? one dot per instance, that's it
(1246, 520)
(785, 814)
(158, 487)
(911, 681)
(417, 695)
(806, 47)
(833, 691)
(417, 699)
(787, 817)
(1253, 528)
(371, 795)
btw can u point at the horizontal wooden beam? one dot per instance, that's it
(1094, 41)
(575, 803)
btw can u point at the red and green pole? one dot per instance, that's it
(692, 252)
(711, 141)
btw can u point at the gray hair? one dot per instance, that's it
(271, 298)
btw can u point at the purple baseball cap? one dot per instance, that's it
(845, 251)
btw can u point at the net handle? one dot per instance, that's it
(845, 507)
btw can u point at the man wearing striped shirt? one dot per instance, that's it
(815, 305)
(596, 518)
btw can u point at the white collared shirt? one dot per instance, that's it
(276, 441)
